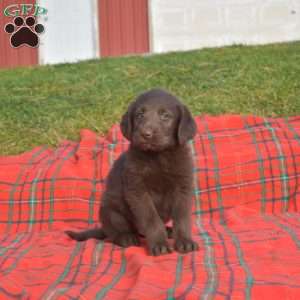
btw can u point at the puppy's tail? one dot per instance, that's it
(95, 233)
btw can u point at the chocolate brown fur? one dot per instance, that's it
(152, 182)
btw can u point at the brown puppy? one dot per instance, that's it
(152, 182)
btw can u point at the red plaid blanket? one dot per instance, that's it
(245, 218)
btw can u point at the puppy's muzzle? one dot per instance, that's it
(147, 134)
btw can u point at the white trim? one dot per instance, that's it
(96, 28)
(39, 50)
(150, 27)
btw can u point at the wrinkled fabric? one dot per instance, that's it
(245, 219)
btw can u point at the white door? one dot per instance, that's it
(71, 31)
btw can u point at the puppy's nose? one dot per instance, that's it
(147, 134)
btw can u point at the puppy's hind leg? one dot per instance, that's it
(121, 231)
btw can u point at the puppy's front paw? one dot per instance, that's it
(160, 248)
(184, 245)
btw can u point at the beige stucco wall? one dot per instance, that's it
(192, 24)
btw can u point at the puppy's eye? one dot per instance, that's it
(140, 115)
(165, 116)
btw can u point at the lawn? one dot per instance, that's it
(46, 104)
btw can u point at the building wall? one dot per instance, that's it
(192, 24)
(72, 27)
(71, 31)
(123, 26)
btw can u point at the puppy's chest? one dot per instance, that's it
(159, 177)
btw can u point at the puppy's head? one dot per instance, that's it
(157, 121)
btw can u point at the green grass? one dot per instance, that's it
(46, 104)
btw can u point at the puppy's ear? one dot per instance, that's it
(187, 127)
(127, 122)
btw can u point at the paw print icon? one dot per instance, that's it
(24, 32)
